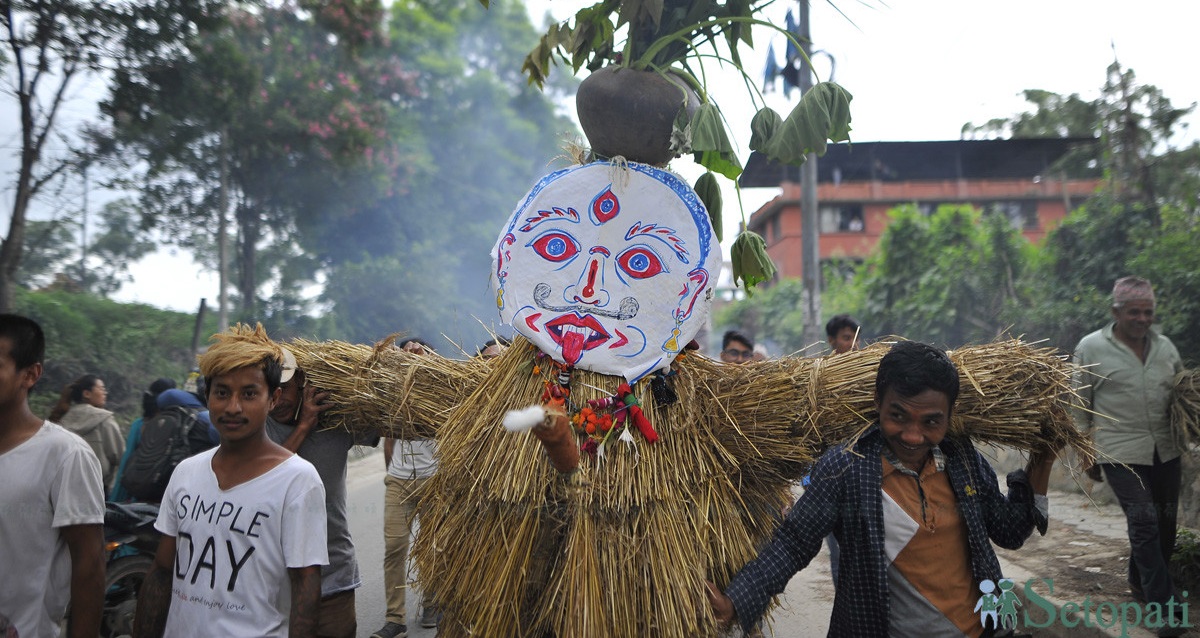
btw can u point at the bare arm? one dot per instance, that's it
(86, 544)
(154, 599)
(1041, 463)
(312, 404)
(306, 601)
(388, 446)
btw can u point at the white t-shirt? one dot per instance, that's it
(233, 547)
(46, 483)
(413, 459)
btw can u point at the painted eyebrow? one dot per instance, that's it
(554, 214)
(661, 233)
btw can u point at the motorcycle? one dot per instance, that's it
(130, 542)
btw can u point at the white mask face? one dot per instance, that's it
(607, 269)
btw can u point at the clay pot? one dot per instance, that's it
(631, 113)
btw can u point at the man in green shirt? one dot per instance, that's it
(1127, 373)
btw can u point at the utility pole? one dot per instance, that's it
(809, 231)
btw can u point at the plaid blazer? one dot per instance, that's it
(845, 498)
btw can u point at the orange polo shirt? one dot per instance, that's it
(925, 539)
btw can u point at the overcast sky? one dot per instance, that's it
(918, 70)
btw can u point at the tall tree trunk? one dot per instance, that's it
(248, 281)
(31, 144)
(13, 245)
(223, 237)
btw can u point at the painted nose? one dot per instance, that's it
(590, 289)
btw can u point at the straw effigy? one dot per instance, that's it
(622, 546)
(1185, 407)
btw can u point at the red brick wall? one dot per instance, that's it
(877, 198)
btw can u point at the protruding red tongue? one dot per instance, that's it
(572, 346)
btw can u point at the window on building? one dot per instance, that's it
(1022, 214)
(775, 229)
(841, 218)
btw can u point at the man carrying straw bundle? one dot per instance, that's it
(915, 512)
(1126, 373)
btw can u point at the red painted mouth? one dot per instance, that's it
(576, 334)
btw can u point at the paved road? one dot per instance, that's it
(1085, 554)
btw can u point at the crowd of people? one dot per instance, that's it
(254, 519)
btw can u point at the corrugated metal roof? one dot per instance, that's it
(915, 161)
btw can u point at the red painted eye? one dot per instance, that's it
(640, 263)
(556, 247)
(606, 206)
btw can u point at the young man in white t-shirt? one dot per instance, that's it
(51, 504)
(243, 524)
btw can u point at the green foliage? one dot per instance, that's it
(110, 251)
(675, 35)
(841, 292)
(658, 34)
(50, 247)
(417, 260)
(286, 109)
(823, 113)
(345, 146)
(1170, 260)
(49, 43)
(128, 345)
(775, 316)
(1053, 116)
(710, 195)
(961, 276)
(1065, 295)
(1185, 562)
(943, 278)
(749, 260)
(1121, 230)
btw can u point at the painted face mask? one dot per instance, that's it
(607, 268)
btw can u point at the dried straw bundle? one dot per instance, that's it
(1185, 406)
(621, 547)
(1012, 394)
(384, 389)
(1016, 394)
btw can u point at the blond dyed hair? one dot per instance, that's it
(242, 347)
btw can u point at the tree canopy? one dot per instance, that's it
(962, 275)
(365, 161)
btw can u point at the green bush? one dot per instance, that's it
(127, 345)
(1185, 562)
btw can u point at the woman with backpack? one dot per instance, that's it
(149, 409)
(178, 430)
(80, 409)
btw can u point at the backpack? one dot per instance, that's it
(167, 438)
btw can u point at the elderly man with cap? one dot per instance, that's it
(1127, 371)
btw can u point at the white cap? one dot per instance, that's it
(289, 365)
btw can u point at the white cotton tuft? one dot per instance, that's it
(524, 419)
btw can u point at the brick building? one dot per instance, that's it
(858, 183)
